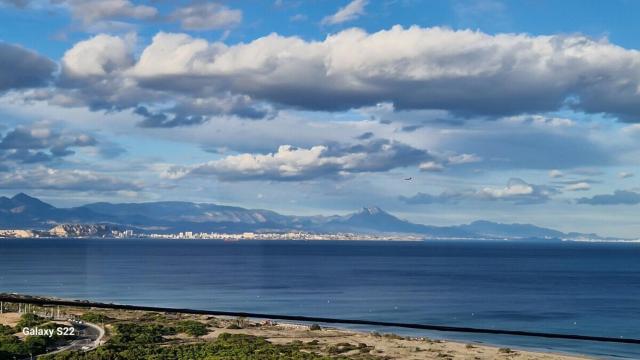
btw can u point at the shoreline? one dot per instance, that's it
(327, 341)
(284, 332)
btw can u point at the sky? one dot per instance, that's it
(440, 112)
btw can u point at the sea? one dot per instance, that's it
(553, 286)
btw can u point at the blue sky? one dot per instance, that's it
(513, 111)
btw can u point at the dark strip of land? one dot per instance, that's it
(313, 319)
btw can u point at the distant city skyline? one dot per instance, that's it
(441, 112)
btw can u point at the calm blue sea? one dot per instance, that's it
(591, 289)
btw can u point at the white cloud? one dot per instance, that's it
(515, 187)
(463, 159)
(351, 11)
(460, 72)
(625, 175)
(516, 191)
(207, 16)
(556, 174)
(292, 163)
(579, 186)
(420, 68)
(98, 56)
(431, 166)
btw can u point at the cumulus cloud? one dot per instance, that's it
(323, 161)
(207, 16)
(96, 73)
(468, 73)
(44, 178)
(350, 12)
(40, 144)
(516, 191)
(22, 68)
(97, 57)
(619, 197)
(421, 68)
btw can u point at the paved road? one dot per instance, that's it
(91, 337)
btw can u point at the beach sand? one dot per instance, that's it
(9, 319)
(389, 346)
(331, 341)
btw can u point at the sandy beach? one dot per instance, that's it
(321, 340)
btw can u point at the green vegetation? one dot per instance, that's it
(192, 327)
(133, 333)
(6, 330)
(29, 320)
(342, 348)
(225, 347)
(11, 347)
(94, 317)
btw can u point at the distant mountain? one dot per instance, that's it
(25, 212)
(374, 219)
(497, 230)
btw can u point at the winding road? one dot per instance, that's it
(92, 337)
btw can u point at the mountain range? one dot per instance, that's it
(25, 212)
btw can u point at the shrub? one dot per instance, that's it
(29, 320)
(94, 317)
(192, 327)
(6, 330)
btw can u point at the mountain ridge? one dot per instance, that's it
(25, 211)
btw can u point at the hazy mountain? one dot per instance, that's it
(374, 219)
(492, 229)
(23, 211)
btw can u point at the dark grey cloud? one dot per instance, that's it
(411, 128)
(40, 144)
(43, 178)
(619, 197)
(365, 136)
(162, 120)
(22, 68)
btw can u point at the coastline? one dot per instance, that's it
(325, 341)
(325, 338)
